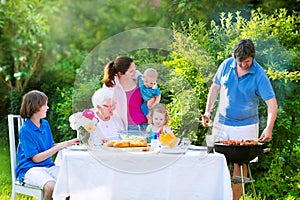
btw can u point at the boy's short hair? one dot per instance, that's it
(32, 102)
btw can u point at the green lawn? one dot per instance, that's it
(5, 176)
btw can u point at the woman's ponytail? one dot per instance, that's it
(119, 65)
(109, 74)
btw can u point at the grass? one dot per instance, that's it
(5, 174)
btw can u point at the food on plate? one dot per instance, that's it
(146, 149)
(167, 139)
(126, 143)
(240, 143)
(132, 137)
(122, 143)
(111, 143)
(137, 143)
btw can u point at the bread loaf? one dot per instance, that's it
(127, 143)
(111, 143)
(137, 143)
(121, 143)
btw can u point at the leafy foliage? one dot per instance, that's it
(207, 10)
(278, 171)
(188, 95)
(286, 76)
(23, 30)
(61, 109)
(86, 23)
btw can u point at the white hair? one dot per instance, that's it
(101, 95)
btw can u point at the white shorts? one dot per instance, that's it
(39, 176)
(224, 132)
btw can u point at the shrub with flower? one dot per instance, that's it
(85, 119)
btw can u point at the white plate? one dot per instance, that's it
(77, 148)
(175, 150)
(197, 148)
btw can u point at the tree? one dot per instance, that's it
(207, 10)
(23, 30)
(84, 24)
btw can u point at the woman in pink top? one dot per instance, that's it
(121, 75)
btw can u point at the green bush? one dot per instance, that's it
(277, 174)
(188, 96)
(60, 110)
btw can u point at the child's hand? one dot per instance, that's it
(68, 143)
(73, 141)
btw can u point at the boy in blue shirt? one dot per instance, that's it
(36, 145)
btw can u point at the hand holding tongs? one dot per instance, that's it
(206, 121)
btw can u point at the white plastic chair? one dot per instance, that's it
(16, 186)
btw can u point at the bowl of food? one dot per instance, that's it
(134, 135)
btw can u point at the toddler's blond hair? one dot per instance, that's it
(161, 108)
(150, 72)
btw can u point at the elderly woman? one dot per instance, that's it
(109, 123)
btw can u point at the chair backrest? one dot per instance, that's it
(13, 129)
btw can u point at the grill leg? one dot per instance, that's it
(252, 183)
(243, 182)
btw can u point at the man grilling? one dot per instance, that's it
(239, 82)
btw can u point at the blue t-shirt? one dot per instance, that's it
(33, 140)
(239, 97)
(147, 93)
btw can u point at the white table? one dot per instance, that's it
(109, 175)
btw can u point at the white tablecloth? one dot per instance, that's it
(120, 176)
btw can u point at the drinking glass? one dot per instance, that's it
(203, 151)
(185, 143)
(210, 142)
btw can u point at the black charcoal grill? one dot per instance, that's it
(241, 154)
